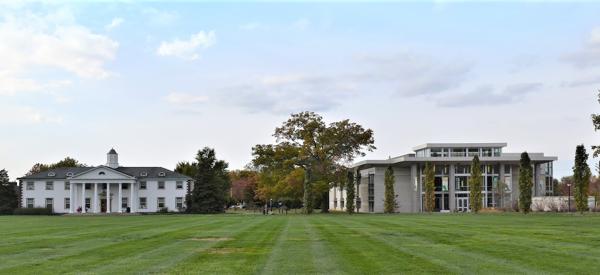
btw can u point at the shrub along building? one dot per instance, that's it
(452, 161)
(106, 188)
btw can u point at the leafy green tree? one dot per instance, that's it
(305, 141)
(525, 183)
(211, 181)
(350, 195)
(581, 177)
(390, 196)
(65, 163)
(475, 186)
(429, 187)
(596, 122)
(9, 200)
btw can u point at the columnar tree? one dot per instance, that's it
(475, 186)
(211, 181)
(596, 122)
(9, 200)
(429, 187)
(390, 196)
(350, 193)
(317, 148)
(525, 183)
(581, 177)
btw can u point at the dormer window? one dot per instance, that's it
(69, 174)
(51, 174)
(143, 174)
(101, 173)
(161, 174)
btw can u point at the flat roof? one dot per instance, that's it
(411, 159)
(459, 145)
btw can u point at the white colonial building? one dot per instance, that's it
(106, 188)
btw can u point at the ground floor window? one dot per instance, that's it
(160, 202)
(67, 203)
(143, 204)
(49, 203)
(124, 202)
(30, 202)
(88, 203)
(371, 190)
(179, 202)
(342, 203)
(334, 204)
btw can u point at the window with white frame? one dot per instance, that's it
(179, 202)
(67, 203)
(49, 185)
(50, 203)
(179, 184)
(143, 203)
(51, 174)
(143, 174)
(161, 185)
(30, 202)
(69, 174)
(161, 174)
(30, 185)
(88, 203)
(160, 202)
(67, 185)
(124, 202)
(142, 185)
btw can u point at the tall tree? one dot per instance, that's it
(9, 200)
(429, 187)
(525, 183)
(475, 186)
(65, 163)
(211, 181)
(390, 196)
(350, 195)
(596, 122)
(307, 142)
(581, 178)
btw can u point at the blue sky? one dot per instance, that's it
(159, 81)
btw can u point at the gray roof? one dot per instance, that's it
(460, 145)
(150, 172)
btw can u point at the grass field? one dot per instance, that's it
(329, 244)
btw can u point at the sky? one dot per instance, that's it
(159, 81)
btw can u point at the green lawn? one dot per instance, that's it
(328, 244)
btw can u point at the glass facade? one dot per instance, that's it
(459, 152)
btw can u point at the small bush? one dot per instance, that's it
(163, 210)
(33, 211)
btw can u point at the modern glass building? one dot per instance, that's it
(452, 162)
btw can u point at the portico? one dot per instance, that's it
(102, 190)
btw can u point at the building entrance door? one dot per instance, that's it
(462, 204)
(103, 205)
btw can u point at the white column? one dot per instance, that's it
(107, 198)
(120, 202)
(131, 200)
(83, 198)
(71, 198)
(95, 198)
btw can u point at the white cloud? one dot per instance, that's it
(187, 49)
(589, 55)
(183, 98)
(47, 43)
(488, 96)
(27, 115)
(114, 23)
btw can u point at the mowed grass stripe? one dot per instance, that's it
(367, 255)
(485, 239)
(161, 259)
(450, 256)
(244, 254)
(105, 250)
